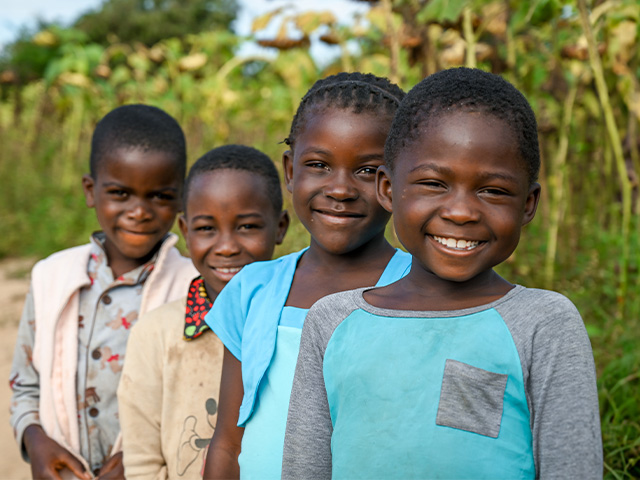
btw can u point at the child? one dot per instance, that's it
(451, 372)
(337, 143)
(170, 382)
(82, 301)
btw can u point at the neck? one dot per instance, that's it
(422, 287)
(212, 293)
(363, 256)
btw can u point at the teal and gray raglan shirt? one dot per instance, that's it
(504, 390)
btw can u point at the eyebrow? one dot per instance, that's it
(328, 153)
(447, 171)
(119, 185)
(240, 216)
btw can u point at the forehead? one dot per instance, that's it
(477, 137)
(230, 190)
(334, 126)
(139, 168)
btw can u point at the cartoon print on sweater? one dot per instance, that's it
(192, 445)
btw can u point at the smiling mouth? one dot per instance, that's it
(456, 244)
(340, 214)
(227, 270)
(132, 232)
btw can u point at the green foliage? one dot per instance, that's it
(149, 21)
(45, 129)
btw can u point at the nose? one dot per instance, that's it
(226, 245)
(340, 187)
(140, 212)
(460, 208)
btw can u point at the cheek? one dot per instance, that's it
(260, 246)
(198, 247)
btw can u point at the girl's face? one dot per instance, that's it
(331, 174)
(460, 195)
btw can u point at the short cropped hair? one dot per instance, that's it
(138, 127)
(466, 90)
(357, 92)
(238, 157)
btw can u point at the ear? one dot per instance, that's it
(184, 229)
(383, 188)
(283, 226)
(287, 166)
(88, 183)
(531, 204)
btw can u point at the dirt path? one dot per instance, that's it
(14, 284)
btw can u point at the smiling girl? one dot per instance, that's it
(336, 145)
(452, 371)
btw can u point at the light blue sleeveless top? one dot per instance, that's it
(263, 438)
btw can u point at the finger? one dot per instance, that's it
(113, 468)
(115, 473)
(73, 464)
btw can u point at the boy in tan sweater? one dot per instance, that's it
(168, 395)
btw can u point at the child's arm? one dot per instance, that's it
(24, 379)
(222, 458)
(47, 457)
(562, 383)
(140, 401)
(307, 444)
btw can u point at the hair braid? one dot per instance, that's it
(358, 92)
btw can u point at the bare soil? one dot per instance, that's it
(14, 283)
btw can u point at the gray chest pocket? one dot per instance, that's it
(471, 399)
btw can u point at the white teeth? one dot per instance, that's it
(229, 270)
(457, 244)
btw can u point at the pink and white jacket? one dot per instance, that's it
(55, 288)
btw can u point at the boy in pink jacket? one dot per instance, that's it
(83, 301)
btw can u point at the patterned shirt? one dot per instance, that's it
(107, 310)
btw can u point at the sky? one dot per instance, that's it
(16, 14)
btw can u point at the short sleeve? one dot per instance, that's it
(227, 316)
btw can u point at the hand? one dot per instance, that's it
(112, 469)
(48, 457)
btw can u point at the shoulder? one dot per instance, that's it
(340, 303)
(79, 253)
(543, 319)
(173, 261)
(541, 305)
(167, 317)
(159, 327)
(152, 335)
(270, 267)
(260, 274)
(328, 312)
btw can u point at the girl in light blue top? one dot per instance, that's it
(336, 145)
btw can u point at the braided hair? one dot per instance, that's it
(357, 92)
(465, 90)
(138, 127)
(238, 157)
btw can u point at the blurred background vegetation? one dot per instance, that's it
(577, 63)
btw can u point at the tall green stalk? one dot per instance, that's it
(555, 180)
(612, 130)
(469, 37)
